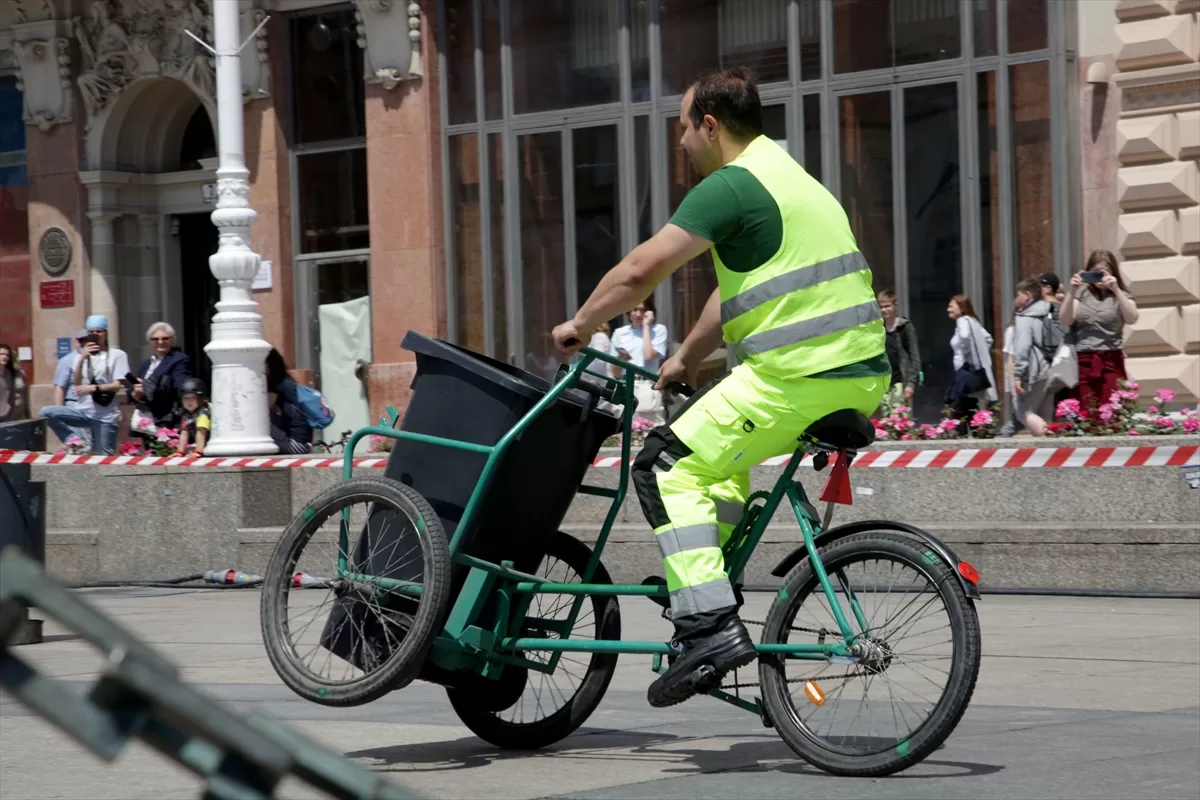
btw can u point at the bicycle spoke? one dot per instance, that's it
(907, 620)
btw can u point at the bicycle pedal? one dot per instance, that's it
(705, 677)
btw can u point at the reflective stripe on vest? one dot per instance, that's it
(797, 332)
(790, 282)
(810, 307)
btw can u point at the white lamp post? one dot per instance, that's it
(241, 424)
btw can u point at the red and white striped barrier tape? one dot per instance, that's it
(1025, 457)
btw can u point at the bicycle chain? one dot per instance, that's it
(820, 632)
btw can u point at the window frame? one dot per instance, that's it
(963, 70)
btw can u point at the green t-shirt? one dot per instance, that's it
(735, 212)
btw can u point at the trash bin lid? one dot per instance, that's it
(512, 378)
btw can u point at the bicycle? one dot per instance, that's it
(339, 443)
(486, 635)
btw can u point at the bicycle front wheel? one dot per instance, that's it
(921, 651)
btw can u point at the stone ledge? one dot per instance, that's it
(1161, 76)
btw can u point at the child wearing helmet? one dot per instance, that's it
(195, 420)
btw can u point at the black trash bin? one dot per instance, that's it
(462, 395)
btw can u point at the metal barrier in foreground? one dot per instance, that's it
(140, 696)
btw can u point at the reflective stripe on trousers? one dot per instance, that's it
(693, 474)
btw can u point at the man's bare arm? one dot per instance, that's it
(635, 278)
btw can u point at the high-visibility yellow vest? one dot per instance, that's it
(810, 307)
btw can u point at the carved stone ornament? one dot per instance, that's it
(122, 40)
(32, 10)
(391, 41)
(44, 73)
(256, 67)
(54, 251)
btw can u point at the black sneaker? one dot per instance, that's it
(701, 664)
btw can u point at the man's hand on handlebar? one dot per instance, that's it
(568, 339)
(674, 370)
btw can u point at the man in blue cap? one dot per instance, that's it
(96, 379)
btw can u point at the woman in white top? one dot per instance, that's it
(971, 345)
(643, 342)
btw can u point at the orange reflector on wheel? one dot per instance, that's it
(814, 694)
(968, 572)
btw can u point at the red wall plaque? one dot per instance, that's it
(57, 294)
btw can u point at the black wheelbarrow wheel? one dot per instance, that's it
(344, 637)
(550, 706)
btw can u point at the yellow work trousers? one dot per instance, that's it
(693, 475)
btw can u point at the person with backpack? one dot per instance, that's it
(289, 426)
(1032, 351)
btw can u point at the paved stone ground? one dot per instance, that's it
(1077, 698)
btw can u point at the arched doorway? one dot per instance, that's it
(151, 158)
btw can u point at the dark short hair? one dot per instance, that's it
(886, 294)
(731, 97)
(1051, 280)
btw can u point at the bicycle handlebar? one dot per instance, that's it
(674, 386)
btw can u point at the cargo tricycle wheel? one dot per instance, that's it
(347, 636)
(917, 663)
(552, 705)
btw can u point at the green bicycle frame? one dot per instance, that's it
(464, 643)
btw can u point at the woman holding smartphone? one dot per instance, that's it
(644, 343)
(1095, 312)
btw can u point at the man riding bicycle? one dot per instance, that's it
(794, 300)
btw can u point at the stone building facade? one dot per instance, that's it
(475, 191)
(1140, 116)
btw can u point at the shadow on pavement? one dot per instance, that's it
(676, 754)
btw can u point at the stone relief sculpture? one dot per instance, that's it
(108, 60)
(44, 75)
(123, 40)
(391, 41)
(25, 10)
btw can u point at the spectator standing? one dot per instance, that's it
(14, 393)
(1033, 404)
(1095, 311)
(65, 396)
(289, 428)
(902, 351)
(155, 395)
(971, 345)
(97, 378)
(643, 342)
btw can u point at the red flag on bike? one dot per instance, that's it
(837, 487)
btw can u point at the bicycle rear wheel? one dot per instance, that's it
(908, 691)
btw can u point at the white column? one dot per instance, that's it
(103, 279)
(239, 393)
